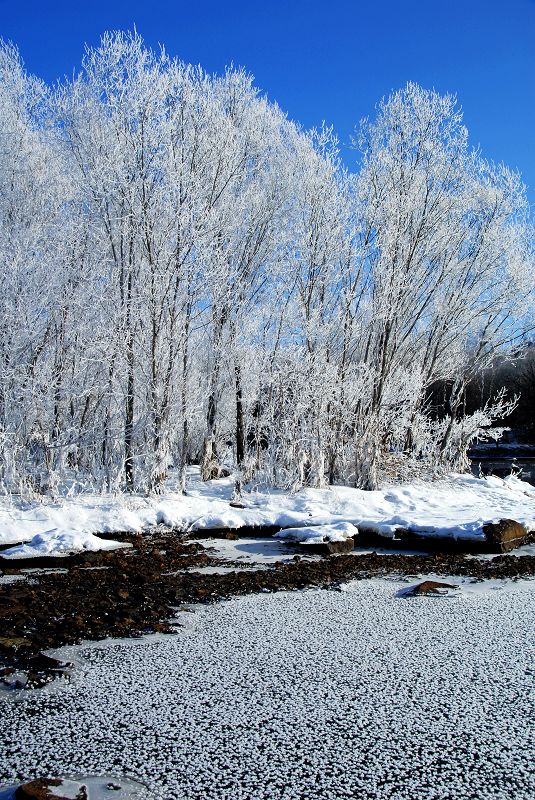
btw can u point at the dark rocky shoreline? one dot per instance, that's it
(135, 591)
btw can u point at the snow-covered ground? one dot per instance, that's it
(323, 695)
(458, 506)
(61, 543)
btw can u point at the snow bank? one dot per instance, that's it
(58, 543)
(458, 506)
(20, 522)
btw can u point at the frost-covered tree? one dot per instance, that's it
(189, 276)
(447, 246)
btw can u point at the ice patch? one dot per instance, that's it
(318, 694)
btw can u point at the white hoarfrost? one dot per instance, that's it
(457, 506)
(358, 693)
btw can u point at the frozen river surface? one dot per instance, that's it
(313, 695)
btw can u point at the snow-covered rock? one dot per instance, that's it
(316, 534)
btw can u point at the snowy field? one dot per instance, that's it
(458, 506)
(322, 695)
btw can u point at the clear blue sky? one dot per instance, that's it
(331, 60)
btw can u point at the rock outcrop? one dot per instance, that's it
(51, 789)
(504, 535)
(430, 587)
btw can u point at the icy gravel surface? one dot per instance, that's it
(316, 695)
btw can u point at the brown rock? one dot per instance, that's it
(47, 789)
(504, 535)
(43, 663)
(330, 548)
(430, 587)
(14, 643)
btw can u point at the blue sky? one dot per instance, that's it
(331, 60)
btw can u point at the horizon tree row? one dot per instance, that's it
(190, 277)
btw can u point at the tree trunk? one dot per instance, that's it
(129, 401)
(240, 424)
(129, 425)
